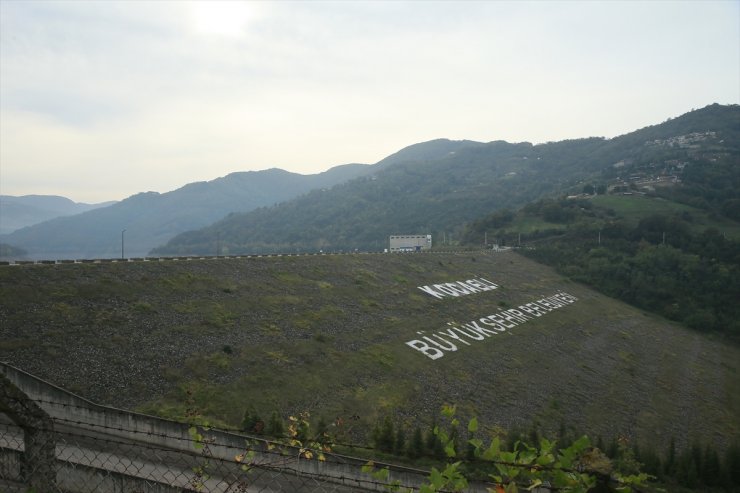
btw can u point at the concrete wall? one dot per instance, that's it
(78, 478)
(71, 410)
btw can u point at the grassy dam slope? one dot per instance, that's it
(329, 333)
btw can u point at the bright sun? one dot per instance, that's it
(222, 17)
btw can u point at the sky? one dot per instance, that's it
(100, 99)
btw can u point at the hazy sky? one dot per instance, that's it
(100, 99)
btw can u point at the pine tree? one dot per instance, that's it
(600, 443)
(416, 446)
(251, 422)
(669, 467)
(692, 476)
(386, 436)
(275, 425)
(650, 460)
(322, 429)
(433, 444)
(732, 465)
(612, 451)
(710, 474)
(400, 446)
(698, 459)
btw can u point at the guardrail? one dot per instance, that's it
(226, 257)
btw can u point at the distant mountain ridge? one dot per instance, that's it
(430, 187)
(151, 218)
(438, 186)
(424, 151)
(17, 212)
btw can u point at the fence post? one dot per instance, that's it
(38, 465)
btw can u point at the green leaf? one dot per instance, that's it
(382, 474)
(448, 411)
(511, 488)
(368, 468)
(435, 477)
(473, 425)
(545, 459)
(527, 457)
(546, 446)
(476, 443)
(493, 451)
(534, 484)
(581, 444)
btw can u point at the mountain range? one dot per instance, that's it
(437, 187)
(150, 218)
(432, 187)
(27, 210)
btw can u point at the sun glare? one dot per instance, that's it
(224, 18)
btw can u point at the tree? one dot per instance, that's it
(732, 465)
(433, 444)
(322, 431)
(275, 425)
(385, 437)
(400, 444)
(416, 446)
(252, 423)
(711, 473)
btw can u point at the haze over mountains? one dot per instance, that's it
(27, 210)
(432, 187)
(651, 218)
(151, 218)
(437, 187)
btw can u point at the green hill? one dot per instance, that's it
(334, 334)
(657, 254)
(26, 210)
(438, 186)
(152, 218)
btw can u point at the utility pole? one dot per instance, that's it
(122, 231)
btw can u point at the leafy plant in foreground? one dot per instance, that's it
(577, 468)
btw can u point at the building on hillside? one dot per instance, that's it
(410, 243)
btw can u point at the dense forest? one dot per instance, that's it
(669, 263)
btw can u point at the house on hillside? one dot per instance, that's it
(410, 243)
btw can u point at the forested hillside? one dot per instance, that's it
(151, 218)
(673, 259)
(658, 230)
(415, 194)
(26, 210)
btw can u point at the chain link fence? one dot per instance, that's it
(85, 462)
(73, 446)
(75, 460)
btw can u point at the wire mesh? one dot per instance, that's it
(94, 460)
